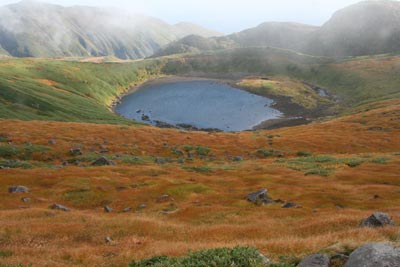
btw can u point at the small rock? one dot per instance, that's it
(164, 198)
(374, 255)
(103, 162)
(65, 163)
(108, 209)
(103, 149)
(108, 240)
(315, 260)
(52, 142)
(142, 206)
(128, 209)
(145, 117)
(378, 219)
(237, 158)
(289, 205)
(18, 189)
(26, 199)
(76, 152)
(59, 207)
(181, 161)
(264, 259)
(160, 161)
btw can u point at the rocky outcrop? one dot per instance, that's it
(378, 219)
(374, 255)
(18, 189)
(259, 197)
(315, 260)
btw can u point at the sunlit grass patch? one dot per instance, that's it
(181, 191)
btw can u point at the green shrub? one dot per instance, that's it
(203, 151)
(221, 257)
(5, 253)
(21, 152)
(380, 160)
(201, 169)
(266, 152)
(303, 154)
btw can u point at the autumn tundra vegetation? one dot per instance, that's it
(82, 186)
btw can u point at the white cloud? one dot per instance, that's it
(224, 15)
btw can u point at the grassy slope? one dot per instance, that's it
(66, 91)
(81, 91)
(355, 81)
(209, 205)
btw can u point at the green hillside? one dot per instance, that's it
(66, 91)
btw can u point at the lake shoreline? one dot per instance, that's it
(292, 114)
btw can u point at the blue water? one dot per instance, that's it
(201, 103)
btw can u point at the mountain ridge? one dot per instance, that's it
(35, 29)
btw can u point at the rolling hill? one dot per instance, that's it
(34, 29)
(369, 27)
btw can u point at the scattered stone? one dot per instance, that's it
(289, 205)
(103, 162)
(18, 189)
(65, 163)
(178, 152)
(259, 197)
(145, 117)
(160, 161)
(108, 209)
(237, 158)
(264, 259)
(103, 149)
(52, 142)
(142, 206)
(75, 152)
(374, 255)
(26, 199)
(128, 209)
(164, 198)
(59, 207)
(108, 240)
(121, 188)
(315, 260)
(378, 219)
(181, 161)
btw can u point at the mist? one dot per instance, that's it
(224, 16)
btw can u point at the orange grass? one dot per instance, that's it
(209, 208)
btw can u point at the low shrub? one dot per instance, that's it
(220, 257)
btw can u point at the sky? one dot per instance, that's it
(226, 16)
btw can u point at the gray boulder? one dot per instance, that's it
(315, 260)
(75, 152)
(18, 189)
(59, 207)
(103, 162)
(160, 161)
(108, 209)
(374, 255)
(378, 219)
(238, 158)
(259, 197)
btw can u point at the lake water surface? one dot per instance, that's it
(200, 103)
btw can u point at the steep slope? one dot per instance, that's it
(369, 27)
(32, 29)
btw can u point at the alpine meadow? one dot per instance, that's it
(132, 140)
